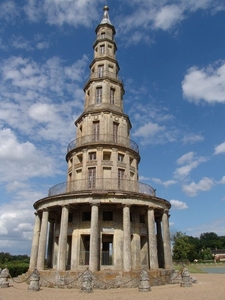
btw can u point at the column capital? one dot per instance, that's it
(126, 205)
(95, 204)
(150, 208)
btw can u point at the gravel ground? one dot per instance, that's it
(209, 286)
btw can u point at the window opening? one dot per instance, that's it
(115, 132)
(98, 94)
(112, 95)
(92, 155)
(96, 129)
(100, 71)
(91, 178)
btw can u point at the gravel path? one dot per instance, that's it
(209, 287)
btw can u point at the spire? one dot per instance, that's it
(106, 16)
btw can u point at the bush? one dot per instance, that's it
(16, 267)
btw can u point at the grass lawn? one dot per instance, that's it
(191, 268)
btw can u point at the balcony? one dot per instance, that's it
(103, 185)
(103, 139)
(103, 74)
(104, 36)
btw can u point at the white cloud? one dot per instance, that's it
(216, 226)
(192, 189)
(41, 93)
(222, 181)
(191, 162)
(176, 204)
(164, 183)
(21, 161)
(220, 149)
(9, 10)
(168, 16)
(207, 84)
(192, 138)
(149, 129)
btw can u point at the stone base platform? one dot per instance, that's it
(105, 279)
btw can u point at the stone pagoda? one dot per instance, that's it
(102, 217)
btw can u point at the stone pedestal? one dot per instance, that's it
(4, 276)
(186, 278)
(34, 281)
(87, 282)
(144, 282)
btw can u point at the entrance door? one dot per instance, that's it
(107, 250)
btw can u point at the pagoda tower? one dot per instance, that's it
(102, 216)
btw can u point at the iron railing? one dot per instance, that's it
(104, 36)
(101, 184)
(103, 138)
(102, 74)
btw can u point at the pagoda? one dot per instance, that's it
(102, 217)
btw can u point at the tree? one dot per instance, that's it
(211, 240)
(181, 246)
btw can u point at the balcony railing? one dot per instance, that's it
(102, 74)
(101, 184)
(104, 36)
(103, 138)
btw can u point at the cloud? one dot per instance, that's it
(41, 93)
(16, 222)
(192, 138)
(149, 129)
(21, 160)
(192, 189)
(58, 13)
(220, 149)
(216, 226)
(164, 183)
(168, 16)
(206, 84)
(176, 204)
(9, 10)
(190, 162)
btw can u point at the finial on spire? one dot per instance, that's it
(106, 15)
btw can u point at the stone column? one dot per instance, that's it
(160, 242)
(166, 240)
(35, 243)
(94, 239)
(50, 243)
(42, 240)
(62, 251)
(126, 239)
(152, 247)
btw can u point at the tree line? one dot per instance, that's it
(17, 264)
(189, 248)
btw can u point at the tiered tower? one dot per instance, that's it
(102, 216)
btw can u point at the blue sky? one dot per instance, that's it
(172, 59)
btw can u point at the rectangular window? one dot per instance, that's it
(103, 35)
(120, 178)
(70, 219)
(142, 219)
(115, 132)
(92, 155)
(102, 49)
(91, 178)
(106, 155)
(100, 71)
(112, 95)
(99, 94)
(120, 157)
(96, 129)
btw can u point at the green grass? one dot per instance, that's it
(191, 269)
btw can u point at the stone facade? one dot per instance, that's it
(102, 217)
